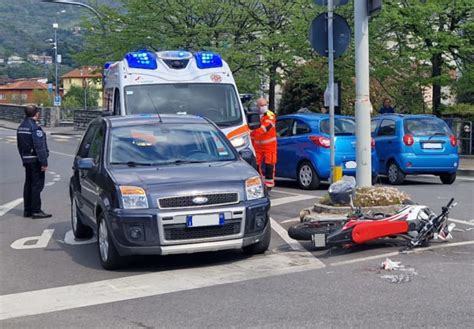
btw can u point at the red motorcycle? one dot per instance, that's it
(415, 223)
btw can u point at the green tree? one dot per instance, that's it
(42, 98)
(76, 95)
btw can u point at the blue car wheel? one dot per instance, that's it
(307, 177)
(395, 175)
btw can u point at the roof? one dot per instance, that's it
(131, 120)
(311, 116)
(84, 72)
(24, 85)
(403, 116)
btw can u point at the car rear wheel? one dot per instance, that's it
(79, 230)
(395, 175)
(307, 177)
(109, 257)
(261, 246)
(448, 178)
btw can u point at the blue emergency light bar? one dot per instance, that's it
(208, 60)
(175, 54)
(141, 60)
(107, 65)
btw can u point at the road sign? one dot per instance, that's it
(318, 35)
(57, 100)
(335, 2)
(50, 87)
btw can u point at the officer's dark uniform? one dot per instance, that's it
(34, 154)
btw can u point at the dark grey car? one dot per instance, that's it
(165, 184)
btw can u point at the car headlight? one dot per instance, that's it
(133, 197)
(254, 188)
(240, 141)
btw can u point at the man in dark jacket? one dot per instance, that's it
(34, 154)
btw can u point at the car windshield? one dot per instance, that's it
(426, 127)
(342, 126)
(167, 144)
(217, 102)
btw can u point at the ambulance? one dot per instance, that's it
(180, 82)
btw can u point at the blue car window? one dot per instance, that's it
(425, 127)
(373, 126)
(300, 128)
(284, 127)
(342, 126)
(387, 128)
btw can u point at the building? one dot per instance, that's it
(86, 76)
(14, 60)
(21, 92)
(40, 59)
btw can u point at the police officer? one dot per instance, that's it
(34, 154)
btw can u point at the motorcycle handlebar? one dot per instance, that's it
(450, 203)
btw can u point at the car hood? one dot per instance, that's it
(185, 179)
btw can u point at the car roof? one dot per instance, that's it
(137, 119)
(311, 116)
(397, 116)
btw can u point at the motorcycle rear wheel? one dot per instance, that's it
(304, 231)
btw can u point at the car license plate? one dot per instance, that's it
(205, 220)
(351, 165)
(319, 240)
(432, 145)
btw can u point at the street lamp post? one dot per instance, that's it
(55, 27)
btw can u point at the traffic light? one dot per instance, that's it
(373, 7)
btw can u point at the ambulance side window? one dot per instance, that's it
(117, 102)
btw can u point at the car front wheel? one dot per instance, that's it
(395, 175)
(80, 230)
(109, 257)
(448, 178)
(261, 246)
(307, 177)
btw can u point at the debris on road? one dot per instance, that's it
(406, 273)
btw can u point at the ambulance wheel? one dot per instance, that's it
(307, 177)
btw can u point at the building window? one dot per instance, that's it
(3, 96)
(24, 97)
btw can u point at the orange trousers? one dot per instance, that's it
(266, 156)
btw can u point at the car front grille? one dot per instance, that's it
(187, 201)
(181, 232)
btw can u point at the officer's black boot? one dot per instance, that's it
(41, 214)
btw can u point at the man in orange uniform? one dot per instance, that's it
(264, 140)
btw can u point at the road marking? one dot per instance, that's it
(291, 220)
(151, 284)
(70, 239)
(396, 253)
(461, 221)
(60, 153)
(9, 206)
(290, 199)
(292, 193)
(295, 245)
(39, 241)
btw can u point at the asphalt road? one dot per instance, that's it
(54, 282)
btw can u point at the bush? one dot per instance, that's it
(374, 196)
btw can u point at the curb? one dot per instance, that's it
(466, 172)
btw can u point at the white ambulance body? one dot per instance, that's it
(178, 82)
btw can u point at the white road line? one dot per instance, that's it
(9, 206)
(396, 253)
(291, 220)
(295, 245)
(151, 284)
(49, 184)
(60, 153)
(292, 193)
(461, 221)
(290, 199)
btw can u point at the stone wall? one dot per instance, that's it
(82, 118)
(16, 113)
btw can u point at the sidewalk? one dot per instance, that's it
(466, 166)
(68, 130)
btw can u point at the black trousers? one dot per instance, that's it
(34, 184)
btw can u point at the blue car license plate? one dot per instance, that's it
(205, 220)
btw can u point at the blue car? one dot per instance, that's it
(304, 147)
(415, 144)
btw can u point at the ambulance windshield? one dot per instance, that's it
(217, 102)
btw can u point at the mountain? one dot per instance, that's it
(25, 25)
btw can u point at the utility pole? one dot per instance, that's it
(331, 84)
(362, 102)
(56, 88)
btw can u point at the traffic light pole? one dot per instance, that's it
(362, 102)
(331, 84)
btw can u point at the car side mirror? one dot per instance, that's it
(253, 120)
(86, 164)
